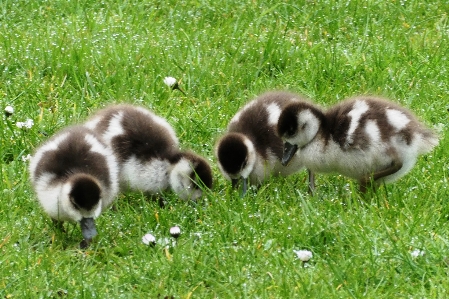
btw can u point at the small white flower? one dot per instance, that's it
(303, 255)
(149, 239)
(415, 253)
(166, 242)
(9, 110)
(170, 81)
(29, 123)
(26, 158)
(175, 231)
(25, 125)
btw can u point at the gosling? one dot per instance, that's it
(366, 138)
(251, 150)
(75, 177)
(148, 152)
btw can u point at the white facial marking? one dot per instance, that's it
(181, 181)
(97, 210)
(308, 126)
(359, 108)
(397, 119)
(251, 159)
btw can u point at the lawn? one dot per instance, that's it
(62, 60)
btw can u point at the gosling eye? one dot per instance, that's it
(304, 126)
(75, 205)
(291, 131)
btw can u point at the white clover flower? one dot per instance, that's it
(175, 231)
(9, 110)
(26, 158)
(303, 255)
(415, 253)
(170, 81)
(149, 239)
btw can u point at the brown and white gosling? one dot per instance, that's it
(365, 138)
(251, 150)
(75, 177)
(148, 152)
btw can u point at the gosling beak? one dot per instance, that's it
(88, 229)
(235, 183)
(289, 152)
(245, 186)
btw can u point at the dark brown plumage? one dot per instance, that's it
(145, 135)
(73, 155)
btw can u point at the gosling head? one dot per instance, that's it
(81, 197)
(190, 176)
(297, 126)
(236, 158)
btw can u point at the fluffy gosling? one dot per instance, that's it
(251, 150)
(75, 177)
(148, 152)
(366, 138)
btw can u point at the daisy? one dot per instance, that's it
(415, 253)
(175, 231)
(9, 110)
(149, 239)
(173, 84)
(303, 255)
(170, 82)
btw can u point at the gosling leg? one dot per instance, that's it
(311, 181)
(366, 181)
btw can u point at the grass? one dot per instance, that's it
(61, 60)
